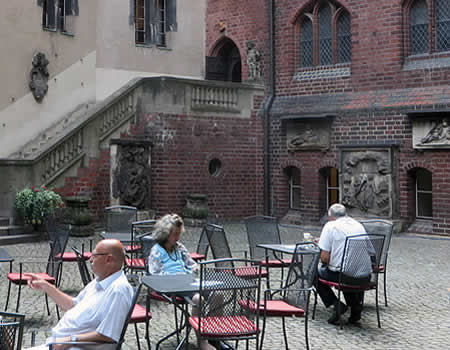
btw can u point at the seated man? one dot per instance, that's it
(98, 312)
(331, 244)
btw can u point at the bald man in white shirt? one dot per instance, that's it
(98, 313)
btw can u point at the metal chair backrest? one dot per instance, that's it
(381, 227)
(119, 218)
(60, 234)
(147, 243)
(225, 292)
(302, 272)
(261, 230)
(218, 242)
(361, 255)
(84, 271)
(137, 290)
(203, 244)
(11, 330)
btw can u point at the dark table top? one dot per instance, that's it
(4, 256)
(124, 237)
(288, 248)
(171, 284)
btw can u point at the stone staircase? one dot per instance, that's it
(55, 131)
(13, 234)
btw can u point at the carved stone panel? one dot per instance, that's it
(39, 77)
(431, 133)
(366, 180)
(307, 135)
(131, 173)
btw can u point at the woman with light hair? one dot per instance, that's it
(168, 256)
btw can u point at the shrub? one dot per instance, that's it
(35, 203)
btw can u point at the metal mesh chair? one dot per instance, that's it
(138, 257)
(265, 230)
(202, 247)
(384, 228)
(222, 312)
(85, 275)
(293, 300)
(11, 330)
(119, 219)
(221, 251)
(53, 269)
(361, 253)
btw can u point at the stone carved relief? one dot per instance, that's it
(366, 179)
(431, 133)
(253, 61)
(39, 77)
(131, 181)
(305, 136)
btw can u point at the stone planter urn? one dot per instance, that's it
(77, 214)
(195, 212)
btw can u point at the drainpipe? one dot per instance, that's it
(267, 108)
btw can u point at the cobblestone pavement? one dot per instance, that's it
(418, 315)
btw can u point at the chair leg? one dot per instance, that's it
(315, 303)
(306, 332)
(384, 287)
(18, 297)
(283, 322)
(263, 332)
(376, 304)
(46, 302)
(57, 312)
(137, 336)
(339, 309)
(7, 298)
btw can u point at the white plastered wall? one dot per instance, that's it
(25, 119)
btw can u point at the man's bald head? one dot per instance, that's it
(108, 257)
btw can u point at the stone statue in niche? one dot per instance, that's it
(132, 184)
(439, 133)
(366, 183)
(253, 61)
(39, 77)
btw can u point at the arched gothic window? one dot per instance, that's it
(325, 35)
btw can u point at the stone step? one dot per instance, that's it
(4, 221)
(8, 230)
(22, 238)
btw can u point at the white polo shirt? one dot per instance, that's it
(101, 306)
(332, 239)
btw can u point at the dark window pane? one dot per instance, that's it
(419, 28)
(295, 198)
(333, 197)
(50, 14)
(295, 176)
(333, 178)
(306, 43)
(424, 205)
(424, 180)
(442, 25)
(344, 38)
(325, 34)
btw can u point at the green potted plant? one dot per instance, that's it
(35, 203)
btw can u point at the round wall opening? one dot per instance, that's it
(214, 167)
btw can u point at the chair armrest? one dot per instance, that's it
(269, 293)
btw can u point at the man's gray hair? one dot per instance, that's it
(164, 226)
(337, 210)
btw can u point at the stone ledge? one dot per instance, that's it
(19, 239)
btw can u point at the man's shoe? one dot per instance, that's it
(220, 345)
(334, 319)
(354, 319)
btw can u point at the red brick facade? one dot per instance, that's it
(369, 99)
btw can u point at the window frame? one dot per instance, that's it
(294, 187)
(332, 188)
(420, 191)
(432, 22)
(312, 14)
(60, 16)
(155, 25)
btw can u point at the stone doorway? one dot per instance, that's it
(224, 64)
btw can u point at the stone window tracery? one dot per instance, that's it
(428, 26)
(324, 35)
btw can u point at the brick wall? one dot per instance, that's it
(183, 147)
(92, 181)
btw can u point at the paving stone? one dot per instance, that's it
(417, 317)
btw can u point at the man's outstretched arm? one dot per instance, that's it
(63, 300)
